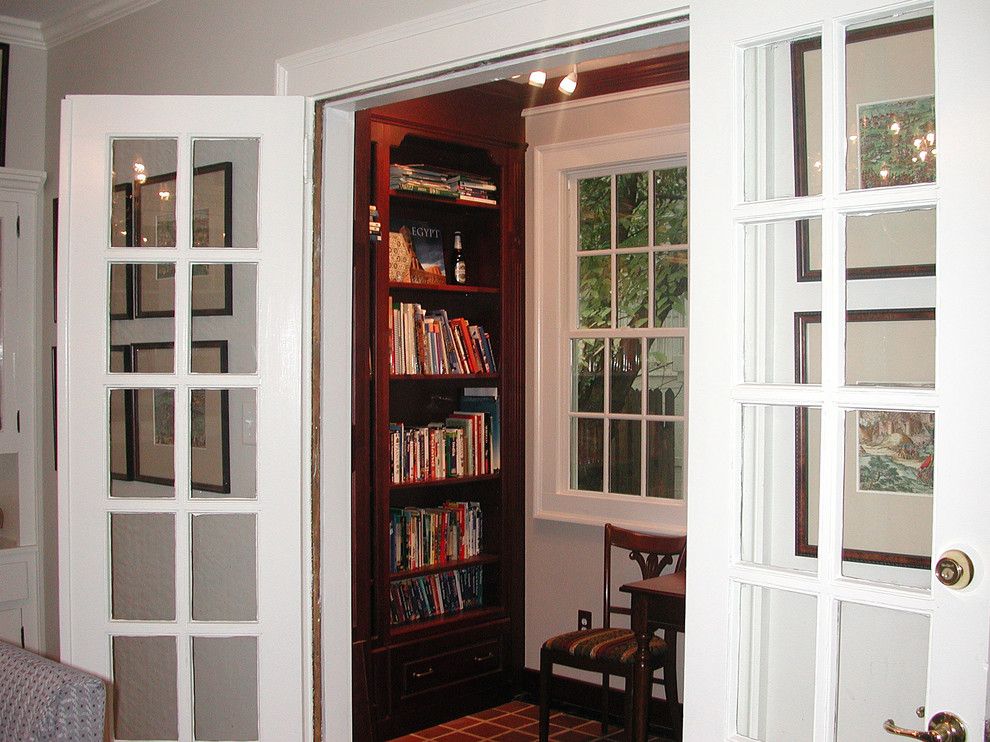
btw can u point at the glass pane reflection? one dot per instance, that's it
(890, 104)
(142, 196)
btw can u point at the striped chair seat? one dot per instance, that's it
(616, 646)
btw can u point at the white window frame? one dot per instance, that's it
(549, 327)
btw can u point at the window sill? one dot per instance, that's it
(637, 513)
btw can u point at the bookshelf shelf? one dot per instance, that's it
(447, 622)
(440, 200)
(446, 567)
(438, 422)
(444, 377)
(448, 482)
(451, 288)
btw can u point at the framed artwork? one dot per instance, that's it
(212, 283)
(888, 454)
(121, 418)
(880, 156)
(209, 419)
(4, 74)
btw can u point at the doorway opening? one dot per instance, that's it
(406, 656)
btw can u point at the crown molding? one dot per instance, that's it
(381, 37)
(89, 18)
(21, 33)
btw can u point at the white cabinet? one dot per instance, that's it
(20, 406)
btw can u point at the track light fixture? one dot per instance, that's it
(569, 84)
(537, 78)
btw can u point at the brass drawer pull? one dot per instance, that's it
(425, 674)
(489, 656)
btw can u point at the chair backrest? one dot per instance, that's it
(652, 553)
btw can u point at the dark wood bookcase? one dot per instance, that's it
(412, 675)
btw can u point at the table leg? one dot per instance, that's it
(641, 674)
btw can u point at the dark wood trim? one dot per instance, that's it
(802, 536)
(645, 73)
(587, 698)
(4, 83)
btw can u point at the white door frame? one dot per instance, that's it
(452, 49)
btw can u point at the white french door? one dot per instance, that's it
(839, 414)
(182, 505)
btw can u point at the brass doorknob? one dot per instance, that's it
(943, 727)
(954, 569)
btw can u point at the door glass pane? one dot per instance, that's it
(141, 309)
(670, 225)
(225, 687)
(783, 119)
(223, 303)
(896, 252)
(141, 437)
(780, 486)
(776, 665)
(670, 285)
(142, 566)
(154, 445)
(626, 377)
(121, 435)
(888, 496)
(595, 213)
(779, 304)
(224, 567)
(225, 193)
(588, 375)
(632, 290)
(665, 372)
(145, 704)
(883, 669)
(223, 443)
(890, 244)
(625, 454)
(665, 459)
(632, 215)
(142, 199)
(587, 453)
(890, 104)
(594, 291)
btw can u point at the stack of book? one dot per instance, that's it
(423, 537)
(425, 597)
(432, 343)
(374, 226)
(421, 179)
(464, 445)
(436, 181)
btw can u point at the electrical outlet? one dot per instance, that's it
(584, 620)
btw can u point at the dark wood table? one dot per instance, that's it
(656, 603)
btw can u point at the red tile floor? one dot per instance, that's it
(516, 721)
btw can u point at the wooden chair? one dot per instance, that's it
(612, 651)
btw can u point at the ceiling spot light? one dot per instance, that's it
(537, 78)
(569, 84)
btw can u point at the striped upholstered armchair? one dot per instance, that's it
(608, 650)
(43, 701)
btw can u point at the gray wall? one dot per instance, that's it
(26, 108)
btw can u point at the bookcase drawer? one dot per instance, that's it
(436, 671)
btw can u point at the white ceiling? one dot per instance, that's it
(40, 11)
